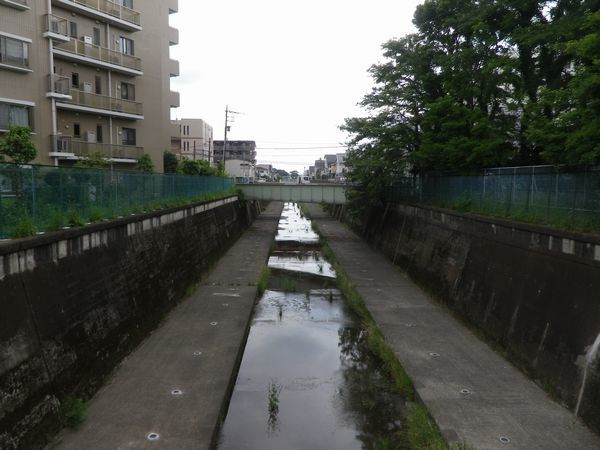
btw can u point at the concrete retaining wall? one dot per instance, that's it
(74, 303)
(535, 291)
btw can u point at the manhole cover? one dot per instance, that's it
(153, 437)
(504, 440)
(176, 392)
(465, 391)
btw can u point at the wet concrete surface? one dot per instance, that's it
(195, 350)
(307, 379)
(474, 394)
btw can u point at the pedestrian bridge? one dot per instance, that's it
(308, 193)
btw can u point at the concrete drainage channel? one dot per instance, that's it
(306, 364)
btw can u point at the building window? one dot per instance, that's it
(73, 29)
(127, 91)
(76, 130)
(98, 83)
(14, 52)
(99, 136)
(12, 115)
(96, 36)
(128, 136)
(127, 3)
(126, 46)
(75, 80)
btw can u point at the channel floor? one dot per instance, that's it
(475, 396)
(170, 392)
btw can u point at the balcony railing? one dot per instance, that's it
(112, 9)
(57, 25)
(18, 4)
(68, 145)
(59, 84)
(91, 100)
(100, 53)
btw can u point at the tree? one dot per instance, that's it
(198, 167)
(96, 160)
(17, 145)
(170, 162)
(145, 164)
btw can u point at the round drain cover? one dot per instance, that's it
(153, 437)
(504, 440)
(197, 353)
(434, 354)
(213, 323)
(465, 391)
(176, 392)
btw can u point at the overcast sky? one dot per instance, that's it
(294, 69)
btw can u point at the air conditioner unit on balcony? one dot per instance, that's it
(87, 39)
(90, 137)
(87, 87)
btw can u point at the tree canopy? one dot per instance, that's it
(482, 83)
(17, 145)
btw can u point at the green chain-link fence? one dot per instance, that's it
(570, 200)
(46, 198)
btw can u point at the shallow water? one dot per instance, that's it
(307, 379)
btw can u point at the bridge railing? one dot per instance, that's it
(42, 198)
(568, 199)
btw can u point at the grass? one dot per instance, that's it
(74, 411)
(263, 280)
(420, 430)
(19, 222)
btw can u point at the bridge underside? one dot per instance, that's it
(308, 193)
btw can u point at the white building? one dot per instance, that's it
(340, 166)
(193, 139)
(239, 168)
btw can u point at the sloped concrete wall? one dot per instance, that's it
(532, 290)
(73, 303)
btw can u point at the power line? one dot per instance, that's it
(300, 148)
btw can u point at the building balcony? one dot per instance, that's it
(173, 36)
(17, 4)
(173, 68)
(66, 147)
(96, 56)
(57, 28)
(104, 10)
(88, 102)
(174, 99)
(59, 87)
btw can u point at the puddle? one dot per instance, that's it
(307, 379)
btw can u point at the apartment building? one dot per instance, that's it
(242, 150)
(89, 76)
(192, 139)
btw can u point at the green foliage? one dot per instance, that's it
(198, 167)
(170, 162)
(74, 410)
(480, 84)
(145, 164)
(74, 218)
(23, 228)
(263, 280)
(95, 160)
(17, 145)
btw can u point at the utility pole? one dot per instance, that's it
(228, 120)
(226, 129)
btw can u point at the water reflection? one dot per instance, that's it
(307, 379)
